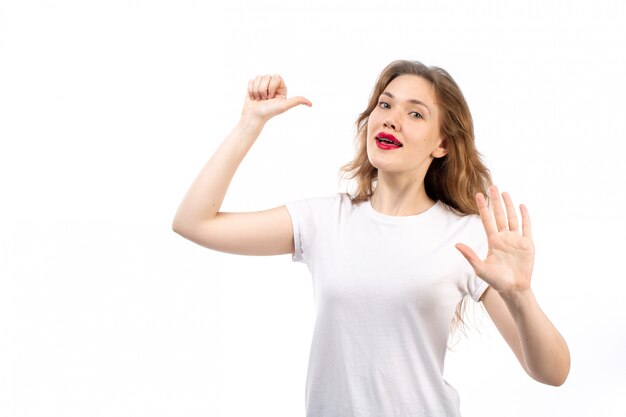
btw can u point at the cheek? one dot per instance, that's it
(373, 125)
(371, 153)
(368, 145)
(375, 116)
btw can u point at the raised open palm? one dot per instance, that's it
(509, 262)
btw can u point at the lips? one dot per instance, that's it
(388, 139)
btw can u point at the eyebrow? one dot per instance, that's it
(411, 100)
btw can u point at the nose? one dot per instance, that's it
(390, 124)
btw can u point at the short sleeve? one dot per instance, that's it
(476, 286)
(307, 216)
(478, 289)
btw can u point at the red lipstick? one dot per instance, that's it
(387, 141)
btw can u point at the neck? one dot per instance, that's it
(395, 196)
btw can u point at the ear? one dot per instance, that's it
(441, 150)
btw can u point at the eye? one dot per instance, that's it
(416, 115)
(384, 105)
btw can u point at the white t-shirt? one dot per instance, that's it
(386, 289)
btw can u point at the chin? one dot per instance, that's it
(373, 161)
(379, 162)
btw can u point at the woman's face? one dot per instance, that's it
(408, 114)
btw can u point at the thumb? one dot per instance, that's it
(471, 257)
(293, 102)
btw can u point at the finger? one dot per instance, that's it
(251, 89)
(293, 102)
(498, 211)
(275, 82)
(471, 257)
(525, 221)
(255, 88)
(264, 86)
(281, 89)
(510, 212)
(485, 215)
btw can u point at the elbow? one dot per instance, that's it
(562, 376)
(564, 369)
(177, 227)
(556, 381)
(556, 377)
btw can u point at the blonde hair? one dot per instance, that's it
(455, 178)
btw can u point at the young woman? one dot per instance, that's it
(386, 262)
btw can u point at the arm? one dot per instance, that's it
(198, 217)
(537, 344)
(510, 302)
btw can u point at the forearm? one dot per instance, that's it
(545, 352)
(206, 194)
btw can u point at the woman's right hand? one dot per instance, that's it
(267, 97)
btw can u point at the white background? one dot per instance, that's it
(109, 109)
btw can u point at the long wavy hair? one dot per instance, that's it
(455, 178)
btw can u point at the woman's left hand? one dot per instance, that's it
(509, 262)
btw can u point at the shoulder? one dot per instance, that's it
(319, 202)
(319, 206)
(455, 215)
(465, 224)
